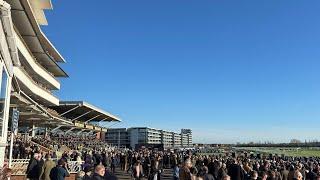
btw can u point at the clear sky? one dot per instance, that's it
(233, 71)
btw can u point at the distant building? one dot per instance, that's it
(144, 136)
(136, 137)
(184, 140)
(118, 137)
(186, 137)
(166, 139)
(176, 140)
(186, 131)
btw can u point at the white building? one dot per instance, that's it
(166, 139)
(186, 137)
(184, 140)
(176, 140)
(145, 136)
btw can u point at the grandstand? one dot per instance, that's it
(30, 71)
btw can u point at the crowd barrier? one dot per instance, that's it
(19, 166)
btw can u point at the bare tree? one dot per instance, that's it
(295, 141)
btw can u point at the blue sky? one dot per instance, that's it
(233, 71)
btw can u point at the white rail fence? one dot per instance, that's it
(19, 166)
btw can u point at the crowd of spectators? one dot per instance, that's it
(98, 161)
(187, 165)
(70, 141)
(22, 148)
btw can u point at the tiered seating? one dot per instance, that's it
(57, 142)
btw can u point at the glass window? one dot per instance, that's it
(3, 92)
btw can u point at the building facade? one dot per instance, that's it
(118, 137)
(184, 140)
(29, 75)
(150, 137)
(176, 140)
(8, 58)
(29, 64)
(186, 137)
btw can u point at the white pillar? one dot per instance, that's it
(33, 132)
(45, 132)
(9, 56)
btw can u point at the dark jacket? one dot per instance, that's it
(235, 172)
(208, 177)
(97, 177)
(110, 176)
(34, 168)
(58, 173)
(86, 177)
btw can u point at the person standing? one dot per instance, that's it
(206, 175)
(155, 173)
(99, 173)
(34, 168)
(113, 164)
(137, 170)
(284, 172)
(235, 171)
(176, 172)
(60, 172)
(184, 173)
(49, 164)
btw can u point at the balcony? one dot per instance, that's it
(33, 67)
(33, 88)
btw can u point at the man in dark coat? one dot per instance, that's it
(235, 171)
(34, 168)
(99, 173)
(60, 171)
(109, 176)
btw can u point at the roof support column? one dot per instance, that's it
(33, 130)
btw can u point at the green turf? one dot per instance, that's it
(297, 152)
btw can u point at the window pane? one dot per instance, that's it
(3, 92)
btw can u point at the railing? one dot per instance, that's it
(19, 166)
(74, 166)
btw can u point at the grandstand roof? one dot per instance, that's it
(83, 112)
(27, 18)
(31, 112)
